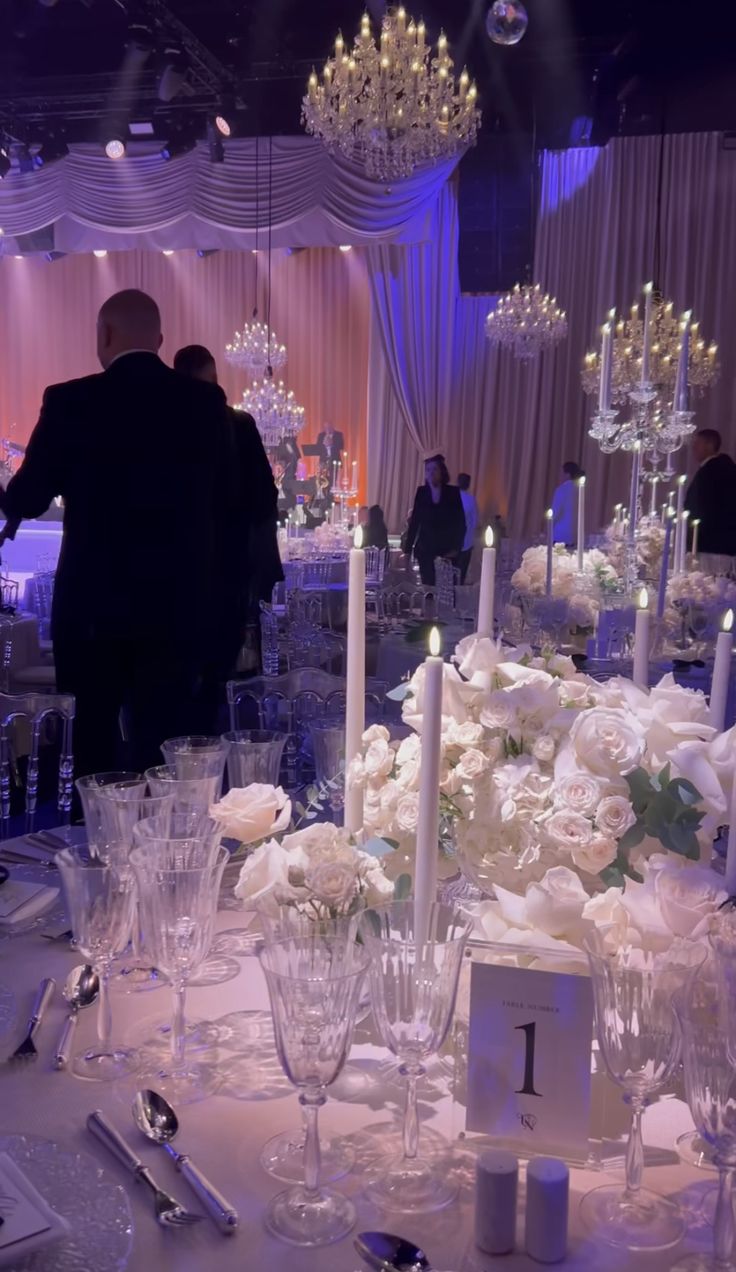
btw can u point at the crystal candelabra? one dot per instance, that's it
(344, 488)
(392, 107)
(526, 320)
(275, 410)
(255, 349)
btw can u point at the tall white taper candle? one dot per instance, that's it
(355, 687)
(634, 492)
(721, 673)
(486, 597)
(641, 641)
(581, 522)
(549, 514)
(678, 521)
(428, 820)
(683, 540)
(664, 569)
(696, 532)
(604, 392)
(680, 399)
(647, 336)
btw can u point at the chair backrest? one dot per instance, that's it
(285, 702)
(43, 597)
(8, 592)
(34, 711)
(375, 566)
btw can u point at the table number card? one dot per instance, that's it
(529, 1050)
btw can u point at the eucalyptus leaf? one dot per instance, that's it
(401, 692)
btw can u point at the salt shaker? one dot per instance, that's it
(496, 1184)
(547, 1200)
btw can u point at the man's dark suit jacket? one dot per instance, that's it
(711, 497)
(334, 452)
(154, 478)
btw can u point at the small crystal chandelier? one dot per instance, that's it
(392, 108)
(255, 349)
(526, 320)
(275, 410)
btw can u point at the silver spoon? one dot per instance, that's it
(154, 1116)
(388, 1253)
(80, 990)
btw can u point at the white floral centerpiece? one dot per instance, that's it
(545, 767)
(650, 538)
(329, 538)
(698, 602)
(582, 593)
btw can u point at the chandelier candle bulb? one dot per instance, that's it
(549, 514)
(640, 674)
(696, 531)
(581, 522)
(664, 568)
(428, 819)
(355, 687)
(496, 1189)
(486, 598)
(721, 674)
(647, 336)
(547, 1205)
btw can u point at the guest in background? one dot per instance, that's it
(285, 493)
(375, 530)
(331, 443)
(470, 508)
(437, 523)
(711, 495)
(289, 453)
(149, 586)
(317, 506)
(564, 505)
(363, 517)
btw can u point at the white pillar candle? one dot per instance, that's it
(581, 522)
(547, 1204)
(730, 872)
(428, 819)
(355, 687)
(683, 541)
(696, 531)
(641, 641)
(678, 515)
(721, 673)
(496, 1187)
(486, 597)
(604, 392)
(549, 514)
(647, 334)
(634, 492)
(664, 569)
(680, 399)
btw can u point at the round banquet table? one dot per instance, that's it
(225, 1133)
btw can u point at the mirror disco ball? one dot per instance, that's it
(506, 22)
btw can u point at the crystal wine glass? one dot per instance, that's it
(328, 741)
(178, 886)
(197, 757)
(190, 794)
(706, 1024)
(125, 785)
(637, 1033)
(314, 987)
(100, 897)
(254, 755)
(283, 1155)
(413, 991)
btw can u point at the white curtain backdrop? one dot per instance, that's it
(96, 202)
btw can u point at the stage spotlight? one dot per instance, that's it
(214, 141)
(345, 247)
(5, 164)
(173, 76)
(168, 251)
(175, 148)
(115, 147)
(100, 252)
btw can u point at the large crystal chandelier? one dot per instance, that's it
(255, 349)
(395, 107)
(526, 320)
(274, 408)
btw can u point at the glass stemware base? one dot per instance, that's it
(94, 1065)
(282, 1157)
(412, 1185)
(304, 1219)
(641, 1221)
(703, 1263)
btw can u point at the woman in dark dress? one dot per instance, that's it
(437, 523)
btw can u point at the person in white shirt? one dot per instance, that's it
(564, 505)
(470, 508)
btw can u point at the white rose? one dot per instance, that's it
(687, 895)
(498, 711)
(544, 748)
(407, 813)
(555, 904)
(477, 654)
(267, 866)
(378, 760)
(470, 765)
(409, 749)
(408, 775)
(607, 741)
(377, 888)
(579, 792)
(376, 733)
(254, 812)
(320, 840)
(466, 734)
(566, 829)
(332, 883)
(608, 915)
(615, 816)
(595, 855)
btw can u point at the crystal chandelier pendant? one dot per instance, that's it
(255, 349)
(526, 321)
(275, 410)
(392, 107)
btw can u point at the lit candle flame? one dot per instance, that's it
(682, 479)
(435, 644)
(489, 537)
(643, 599)
(727, 623)
(581, 480)
(358, 537)
(549, 514)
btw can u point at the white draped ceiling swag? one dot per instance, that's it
(190, 202)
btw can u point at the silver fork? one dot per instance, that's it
(27, 1049)
(169, 1212)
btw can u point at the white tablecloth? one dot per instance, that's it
(225, 1133)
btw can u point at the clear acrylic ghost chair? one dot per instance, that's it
(25, 720)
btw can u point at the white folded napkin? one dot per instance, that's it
(20, 902)
(29, 1223)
